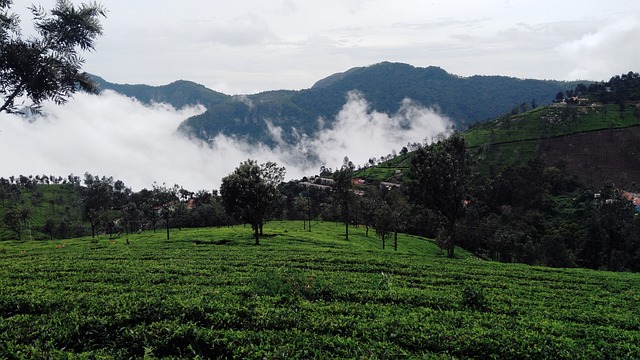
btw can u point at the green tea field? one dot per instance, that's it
(210, 293)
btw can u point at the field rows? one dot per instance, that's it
(210, 293)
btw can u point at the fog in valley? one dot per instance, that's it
(112, 135)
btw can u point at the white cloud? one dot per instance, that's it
(104, 135)
(251, 46)
(361, 133)
(609, 50)
(112, 135)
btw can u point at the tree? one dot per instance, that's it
(383, 221)
(343, 184)
(16, 218)
(46, 66)
(303, 208)
(97, 199)
(250, 192)
(398, 214)
(369, 205)
(164, 200)
(612, 238)
(437, 179)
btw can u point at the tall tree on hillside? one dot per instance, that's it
(399, 214)
(612, 240)
(342, 190)
(250, 192)
(369, 205)
(384, 223)
(16, 219)
(46, 66)
(97, 198)
(437, 179)
(164, 203)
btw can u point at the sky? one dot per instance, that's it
(249, 46)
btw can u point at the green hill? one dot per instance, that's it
(594, 134)
(598, 143)
(466, 100)
(53, 210)
(178, 94)
(209, 293)
(384, 86)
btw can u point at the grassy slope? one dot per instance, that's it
(504, 142)
(209, 292)
(390, 170)
(40, 213)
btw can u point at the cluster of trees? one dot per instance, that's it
(619, 89)
(95, 205)
(529, 213)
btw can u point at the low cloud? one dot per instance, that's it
(361, 133)
(112, 135)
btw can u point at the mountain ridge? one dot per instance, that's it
(466, 100)
(178, 93)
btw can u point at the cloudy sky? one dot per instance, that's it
(248, 46)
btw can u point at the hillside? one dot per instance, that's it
(208, 293)
(597, 143)
(384, 86)
(55, 210)
(178, 94)
(466, 100)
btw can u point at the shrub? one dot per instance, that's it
(473, 297)
(292, 284)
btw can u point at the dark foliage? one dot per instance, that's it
(437, 180)
(46, 66)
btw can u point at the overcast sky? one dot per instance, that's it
(248, 46)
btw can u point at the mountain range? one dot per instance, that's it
(465, 100)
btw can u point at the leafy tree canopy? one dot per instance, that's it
(250, 192)
(46, 66)
(438, 179)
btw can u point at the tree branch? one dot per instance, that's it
(9, 100)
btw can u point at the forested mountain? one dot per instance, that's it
(466, 100)
(178, 94)
(384, 86)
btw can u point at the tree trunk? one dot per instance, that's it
(382, 241)
(346, 221)
(452, 243)
(395, 240)
(256, 233)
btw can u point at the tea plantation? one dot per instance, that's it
(210, 293)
